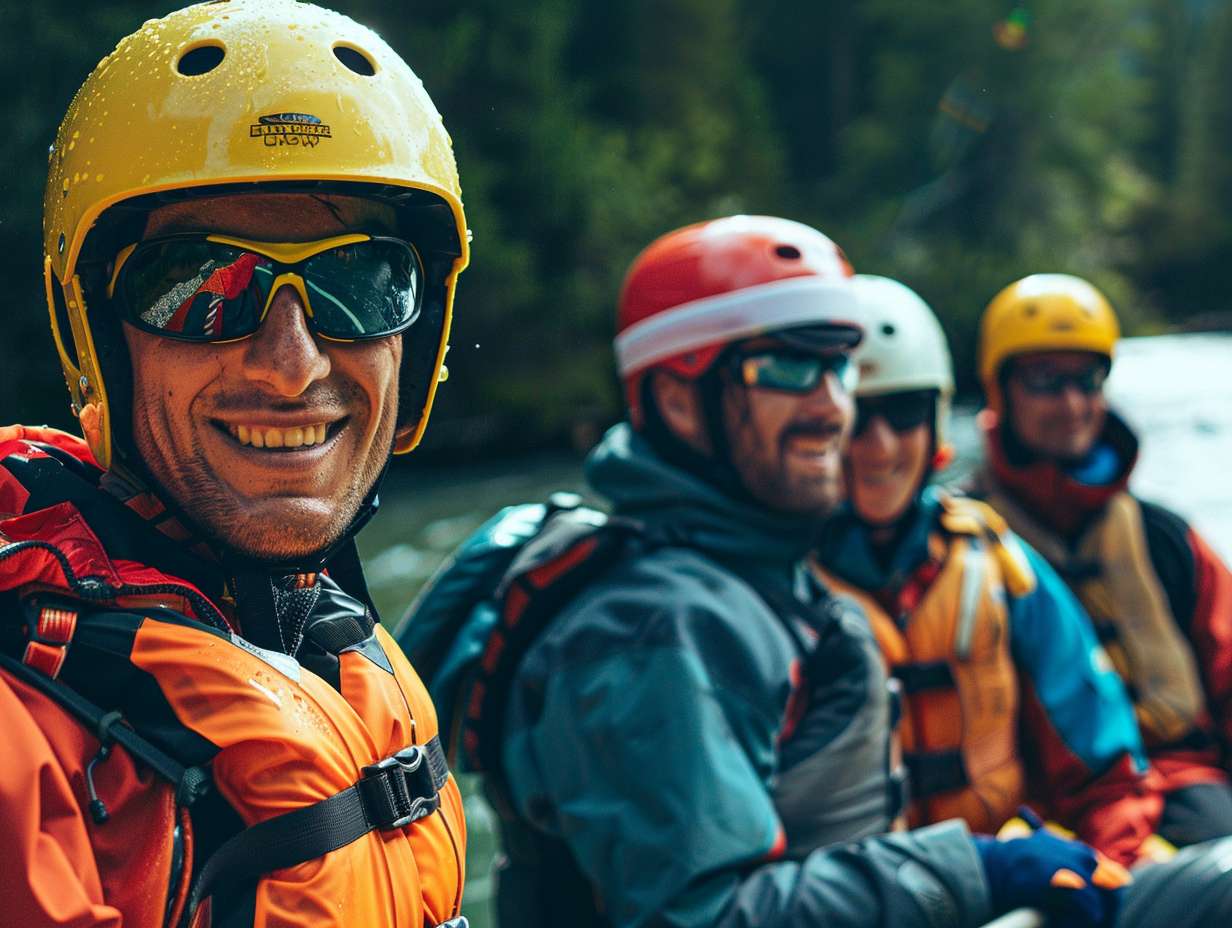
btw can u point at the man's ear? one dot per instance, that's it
(91, 421)
(404, 438)
(680, 408)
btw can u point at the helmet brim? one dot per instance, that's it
(820, 337)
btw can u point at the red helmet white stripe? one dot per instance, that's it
(736, 315)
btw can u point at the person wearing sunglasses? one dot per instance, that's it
(250, 287)
(1057, 467)
(696, 732)
(1006, 696)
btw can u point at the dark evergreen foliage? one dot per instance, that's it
(955, 146)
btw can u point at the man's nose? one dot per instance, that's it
(1074, 399)
(283, 353)
(878, 435)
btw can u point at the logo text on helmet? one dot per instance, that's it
(289, 129)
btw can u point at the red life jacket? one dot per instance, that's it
(98, 831)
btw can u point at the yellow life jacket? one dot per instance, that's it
(1109, 569)
(951, 656)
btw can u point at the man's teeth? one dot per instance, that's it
(279, 438)
(811, 445)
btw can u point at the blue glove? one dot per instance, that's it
(1076, 886)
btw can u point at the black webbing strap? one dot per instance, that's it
(190, 782)
(1106, 631)
(933, 772)
(924, 675)
(392, 793)
(1195, 740)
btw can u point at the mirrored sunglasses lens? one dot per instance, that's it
(1053, 383)
(1091, 381)
(793, 373)
(194, 290)
(364, 290)
(846, 371)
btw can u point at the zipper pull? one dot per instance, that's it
(98, 808)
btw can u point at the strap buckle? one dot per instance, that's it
(48, 637)
(399, 789)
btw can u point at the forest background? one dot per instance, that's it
(955, 146)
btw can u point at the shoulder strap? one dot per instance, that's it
(1174, 560)
(965, 516)
(190, 782)
(390, 794)
(572, 550)
(430, 625)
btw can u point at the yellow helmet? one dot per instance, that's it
(1043, 312)
(210, 100)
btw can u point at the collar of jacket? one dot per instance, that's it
(844, 545)
(1046, 488)
(625, 469)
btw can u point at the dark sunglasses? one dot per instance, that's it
(901, 411)
(1045, 382)
(792, 371)
(216, 288)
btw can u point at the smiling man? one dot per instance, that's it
(271, 441)
(250, 289)
(1007, 696)
(1058, 467)
(676, 722)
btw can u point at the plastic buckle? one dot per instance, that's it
(48, 637)
(399, 789)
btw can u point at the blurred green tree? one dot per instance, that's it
(955, 146)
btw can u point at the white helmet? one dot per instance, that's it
(904, 347)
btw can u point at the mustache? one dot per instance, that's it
(319, 398)
(811, 428)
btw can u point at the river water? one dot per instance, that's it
(1176, 390)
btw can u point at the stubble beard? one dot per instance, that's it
(296, 530)
(766, 472)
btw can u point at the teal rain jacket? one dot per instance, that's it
(709, 760)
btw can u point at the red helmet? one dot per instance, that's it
(694, 291)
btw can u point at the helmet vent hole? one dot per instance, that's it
(790, 252)
(354, 60)
(887, 328)
(200, 60)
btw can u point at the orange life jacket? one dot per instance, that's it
(276, 738)
(1109, 569)
(951, 656)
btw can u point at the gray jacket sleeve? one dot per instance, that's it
(929, 877)
(640, 731)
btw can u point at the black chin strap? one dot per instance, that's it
(715, 468)
(272, 599)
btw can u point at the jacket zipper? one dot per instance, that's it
(97, 590)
